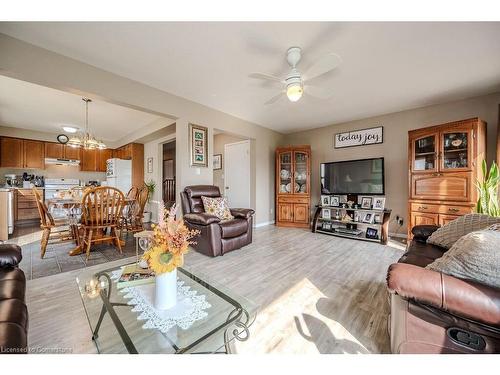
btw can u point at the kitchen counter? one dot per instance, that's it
(21, 188)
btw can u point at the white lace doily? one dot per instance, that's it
(190, 306)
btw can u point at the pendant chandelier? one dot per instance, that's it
(86, 139)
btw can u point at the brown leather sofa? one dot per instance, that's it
(217, 237)
(436, 313)
(13, 311)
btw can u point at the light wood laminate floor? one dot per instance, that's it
(317, 294)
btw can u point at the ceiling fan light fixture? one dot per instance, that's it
(294, 91)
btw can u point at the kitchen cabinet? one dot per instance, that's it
(54, 150)
(34, 154)
(26, 208)
(21, 153)
(72, 153)
(95, 160)
(88, 162)
(444, 161)
(103, 156)
(11, 152)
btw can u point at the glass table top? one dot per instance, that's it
(114, 327)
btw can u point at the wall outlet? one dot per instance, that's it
(271, 211)
(399, 220)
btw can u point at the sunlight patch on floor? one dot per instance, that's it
(293, 325)
(26, 238)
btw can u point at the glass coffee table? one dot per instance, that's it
(116, 329)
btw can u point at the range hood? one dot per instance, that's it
(62, 161)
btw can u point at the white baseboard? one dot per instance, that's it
(264, 224)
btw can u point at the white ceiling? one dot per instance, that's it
(29, 106)
(386, 67)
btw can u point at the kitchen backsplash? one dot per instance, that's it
(55, 171)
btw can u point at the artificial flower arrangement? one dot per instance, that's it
(171, 240)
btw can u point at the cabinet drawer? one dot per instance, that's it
(21, 204)
(441, 209)
(27, 214)
(304, 200)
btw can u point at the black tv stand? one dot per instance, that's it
(344, 226)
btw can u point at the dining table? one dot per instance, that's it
(71, 209)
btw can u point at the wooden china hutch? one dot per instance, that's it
(293, 186)
(444, 163)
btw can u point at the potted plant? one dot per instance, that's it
(151, 186)
(488, 191)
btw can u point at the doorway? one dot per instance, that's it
(168, 173)
(237, 174)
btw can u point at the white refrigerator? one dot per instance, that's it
(119, 174)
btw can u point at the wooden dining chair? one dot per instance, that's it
(54, 231)
(142, 199)
(133, 192)
(101, 210)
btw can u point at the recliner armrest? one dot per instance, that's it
(201, 219)
(422, 232)
(243, 213)
(10, 255)
(460, 297)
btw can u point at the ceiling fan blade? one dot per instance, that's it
(322, 66)
(318, 92)
(266, 77)
(274, 98)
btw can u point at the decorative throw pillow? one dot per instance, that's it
(475, 256)
(448, 234)
(217, 207)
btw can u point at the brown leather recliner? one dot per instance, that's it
(433, 312)
(13, 311)
(217, 237)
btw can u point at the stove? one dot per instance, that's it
(54, 185)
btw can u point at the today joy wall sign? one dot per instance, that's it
(359, 137)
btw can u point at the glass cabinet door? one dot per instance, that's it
(300, 172)
(424, 154)
(455, 152)
(285, 173)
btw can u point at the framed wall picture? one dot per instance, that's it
(325, 213)
(378, 203)
(366, 203)
(335, 200)
(150, 165)
(198, 145)
(377, 219)
(325, 200)
(217, 162)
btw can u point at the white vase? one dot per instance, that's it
(166, 290)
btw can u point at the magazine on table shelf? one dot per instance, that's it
(133, 275)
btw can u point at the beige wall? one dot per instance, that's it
(219, 141)
(33, 64)
(154, 150)
(395, 146)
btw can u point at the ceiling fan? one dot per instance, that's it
(295, 83)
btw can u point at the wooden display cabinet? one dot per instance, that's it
(293, 186)
(444, 161)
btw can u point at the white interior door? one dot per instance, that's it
(237, 174)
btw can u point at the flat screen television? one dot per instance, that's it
(364, 176)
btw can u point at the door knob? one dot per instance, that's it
(227, 187)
